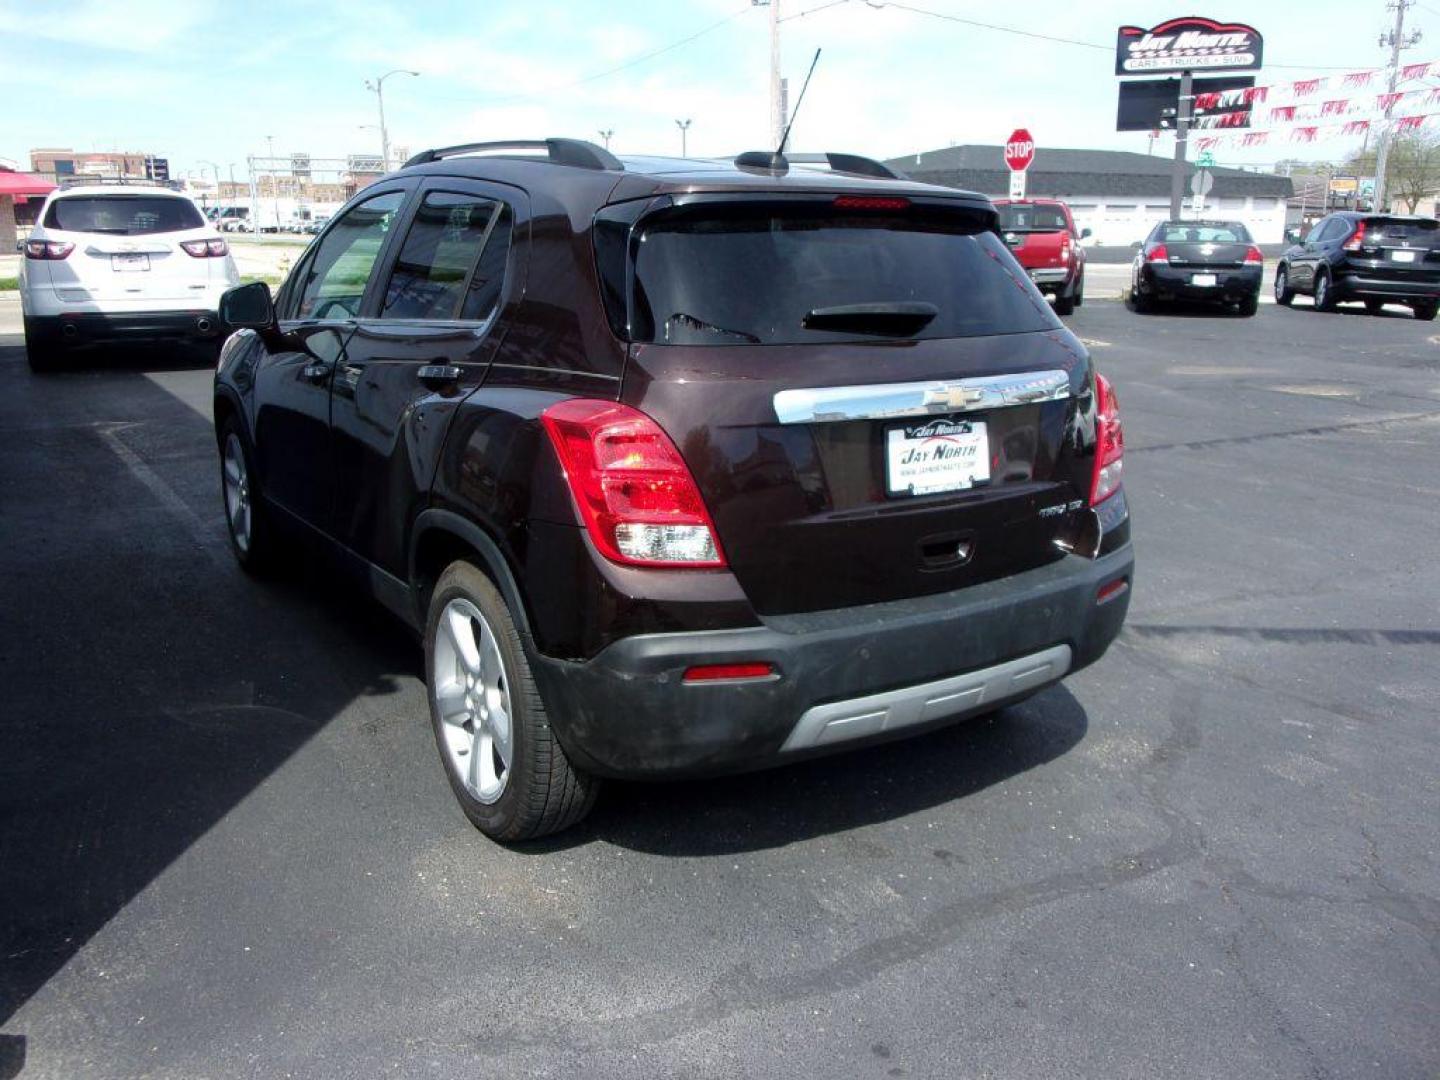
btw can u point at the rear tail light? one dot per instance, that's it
(1109, 443)
(48, 249)
(1065, 248)
(1157, 253)
(202, 249)
(1252, 255)
(1356, 242)
(729, 672)
(871, 202)
(634, 491)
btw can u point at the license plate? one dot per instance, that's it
(1403, 256)
(129, 263)
(1204, 280)
(936, 455)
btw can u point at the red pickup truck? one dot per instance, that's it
(1042, 234)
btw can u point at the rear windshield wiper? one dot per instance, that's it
(899, 318)
(692, 323)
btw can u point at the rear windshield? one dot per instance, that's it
(123, 215)
(1032, 219)
(1228, 233)
(1424, 230)
(759, 274)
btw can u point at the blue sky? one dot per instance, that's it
(205, 79)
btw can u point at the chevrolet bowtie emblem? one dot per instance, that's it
(956, 397)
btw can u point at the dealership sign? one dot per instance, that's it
(1188, 44)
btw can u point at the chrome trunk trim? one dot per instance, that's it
(882, 401)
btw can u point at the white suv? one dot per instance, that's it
(120, 262)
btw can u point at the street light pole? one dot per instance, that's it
(378, 86)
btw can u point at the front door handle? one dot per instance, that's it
(438, 376)
(316, 372)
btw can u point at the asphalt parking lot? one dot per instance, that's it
(227, 849)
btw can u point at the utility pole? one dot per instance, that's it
(684, 126)
(254, 195)
(378, 86)
(607, 134)
(274, 185)
(1182, 137)
(777, 99)
(1396, 40)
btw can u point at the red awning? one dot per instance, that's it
(19, 183)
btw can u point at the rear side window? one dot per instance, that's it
(1015, 218)
(123, 215)
(453, 261)
(1229, 233)
(762, 274)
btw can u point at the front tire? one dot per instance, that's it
(252, 538)
(1324, 293)
(1283, 292)
(508, 771)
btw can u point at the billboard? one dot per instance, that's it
(1145, 103)
(300, 166)
(157, 168)
(364, 163)
(1187, 44)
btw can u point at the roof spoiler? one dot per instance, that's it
(116, 181)
(855, 164)
(574, 152)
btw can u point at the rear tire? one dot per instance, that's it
(1324, 293)
(41, 355)
(1373, 306)
(1425, 312)
(1141, 303)
(1249, 306)
(1064, 305)
(1283, 293)
(483, 696)
(1078, 293)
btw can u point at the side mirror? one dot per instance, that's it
(1085, 234)
(1135, 245)
(248, 307)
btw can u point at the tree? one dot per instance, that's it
(1413, 169)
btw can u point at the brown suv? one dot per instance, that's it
(680, 466)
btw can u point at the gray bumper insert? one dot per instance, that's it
(913, 705)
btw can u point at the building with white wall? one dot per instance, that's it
(1116, 194)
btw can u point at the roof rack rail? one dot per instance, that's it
(115, 181)
(575, 152)
(850, 163)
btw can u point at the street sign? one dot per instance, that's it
(1187, 44)
(157, 168)
(1019, 150)
(1201, 183)
(1206, 160)
(1017, 185)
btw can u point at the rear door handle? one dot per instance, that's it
(437, 376)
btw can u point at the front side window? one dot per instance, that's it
(334, 279)
(123, 215)
(453, 260)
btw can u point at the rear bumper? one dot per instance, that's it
(91, 328)
(843, 677)
(1359, 287)
(1178, 283)
(1051, 279)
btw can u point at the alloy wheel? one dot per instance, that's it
(472, 697)
(237, 492)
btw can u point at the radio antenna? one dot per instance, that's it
(798, 102)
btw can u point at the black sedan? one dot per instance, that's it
(1197, 260)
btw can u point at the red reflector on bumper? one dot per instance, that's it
(717, 672)
(1112, 590)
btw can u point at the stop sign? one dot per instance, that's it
(1019, 150)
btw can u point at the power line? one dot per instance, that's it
(813, 10)
(987, 26)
